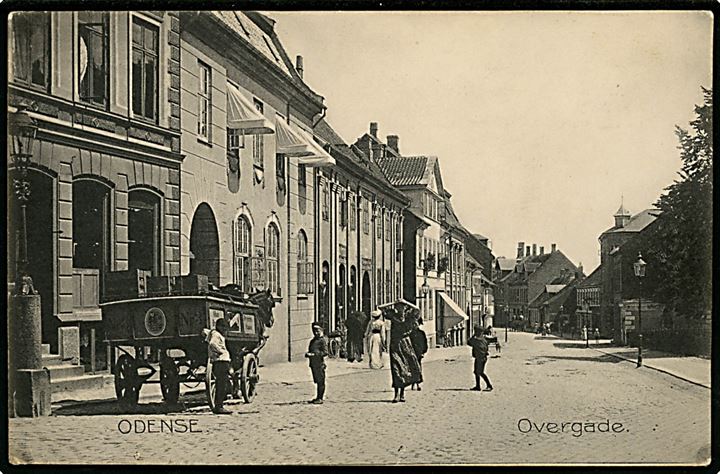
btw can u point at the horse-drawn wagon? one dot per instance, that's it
(168, 327)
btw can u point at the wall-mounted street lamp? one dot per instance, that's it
(639, 268)
(22, 129)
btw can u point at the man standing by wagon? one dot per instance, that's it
(220, 358)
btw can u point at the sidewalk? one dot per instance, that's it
(691, 369)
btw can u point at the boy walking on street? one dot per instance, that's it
(317, 351)
(480, 353)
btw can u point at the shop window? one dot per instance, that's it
(93, 54)
(144, 69)
(31, 48)
(242, 244)
(144, 230)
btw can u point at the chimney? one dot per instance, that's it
(373, 129)
(542, 250)
(299, 65)
(520, 247)
(534, 249)
(553, 247)
(392, 142)
(527, 250)
(579, 272)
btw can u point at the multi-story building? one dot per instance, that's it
(250, 175)
(424, 250)
(434, 240)
(103, 88)
(556, 304)
(358, 230)
(616, 276)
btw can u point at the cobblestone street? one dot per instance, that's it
(537, 381)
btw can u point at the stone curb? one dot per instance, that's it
(673, 374)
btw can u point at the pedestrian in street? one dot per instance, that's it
(317, 351)
(376, 339)
(480, 353)
(355, 331)
(219, 357)
(420, 345)
(404, 365)
(597, 336)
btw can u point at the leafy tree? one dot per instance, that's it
(679, 245)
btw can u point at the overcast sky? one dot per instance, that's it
(541, 120)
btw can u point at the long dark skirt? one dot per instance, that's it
(404, 364)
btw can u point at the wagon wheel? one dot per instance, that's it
(249, 377)
(210, 385)
(127, 381)
(169, 380)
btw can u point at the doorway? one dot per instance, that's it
(144, 231)
(366, 294)
(205, 245)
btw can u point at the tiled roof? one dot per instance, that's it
(266, 42)
(405, 170)
(637, 222)
(592, 280)
(246, 28)
(344, 152)
(328, 134)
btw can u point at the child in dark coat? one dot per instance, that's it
(317, 351)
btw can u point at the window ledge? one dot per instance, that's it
(204, 141)
(302, 296)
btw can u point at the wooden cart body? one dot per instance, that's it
(176, 328)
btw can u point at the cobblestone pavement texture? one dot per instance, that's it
(542, 380)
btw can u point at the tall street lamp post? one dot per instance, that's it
(639, 268)
(29, 384)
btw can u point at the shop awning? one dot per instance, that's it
(452, 313)
(242, 114)
(319, 158)
(292, 141)
(289, 141)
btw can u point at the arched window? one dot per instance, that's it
(272, 247)
(241, 252)
(305, 269)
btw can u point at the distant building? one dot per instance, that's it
(557, 303)
(588, 304)
(532, 272)
(618, 282)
